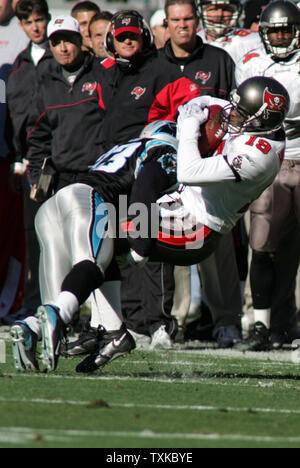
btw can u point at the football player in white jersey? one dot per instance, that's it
(220, 19)
(278, 57)
(220, 22)
(216, 192)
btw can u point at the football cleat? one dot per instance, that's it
(87, 343)
(53, 332)
(227, 336)
(24, 343)
(258, 340)
(160, 339)
(113, 345)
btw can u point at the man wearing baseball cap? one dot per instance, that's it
(126, 37)
(65, 41)
(66, 110)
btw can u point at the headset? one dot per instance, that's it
(109, 39)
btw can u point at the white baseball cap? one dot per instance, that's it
(157, 19)
(63, 23)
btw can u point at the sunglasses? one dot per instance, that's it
(127, 35)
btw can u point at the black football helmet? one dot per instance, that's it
(258, 105)
(285, 16)
(219, 28)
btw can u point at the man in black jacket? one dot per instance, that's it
(212, 69)
(30, 63)
(65, 122)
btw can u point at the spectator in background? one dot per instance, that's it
(29, 65)
(159, 28)
(97, 29)
(12, 41)
(83, 12)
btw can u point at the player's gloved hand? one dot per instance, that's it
(191, 110)
(132, 258)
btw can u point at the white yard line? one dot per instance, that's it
(204, 364)
(151, 406)
(26, 434)
(239, 381)
(267, 356)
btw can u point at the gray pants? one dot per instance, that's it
(275, 219)
(71, 228)
(271, 211)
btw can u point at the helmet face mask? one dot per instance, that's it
(279, 29)
(236, 121)
(259, 105)
(284, 47)
(219, 16)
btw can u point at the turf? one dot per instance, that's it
(184, 398)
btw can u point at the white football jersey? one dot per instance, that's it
(258, 63)
(219, 189)
(236, 43)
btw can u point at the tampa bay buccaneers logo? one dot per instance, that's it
(275, 102)
(138, 92)
(89, 88)
(203, 76)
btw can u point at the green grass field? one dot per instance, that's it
(184, 398)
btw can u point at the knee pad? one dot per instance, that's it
(82, 280)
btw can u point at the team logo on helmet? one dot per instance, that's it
(138, 92)
(89, 88)
(275, 102)
(203, 76)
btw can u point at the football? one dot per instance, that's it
(211, 132)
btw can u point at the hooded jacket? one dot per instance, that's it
(150, 89)
(65, 122)
(210, 67)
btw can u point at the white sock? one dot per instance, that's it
(263, 316)
(33, 323)
(68, 305)
(106, 306)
